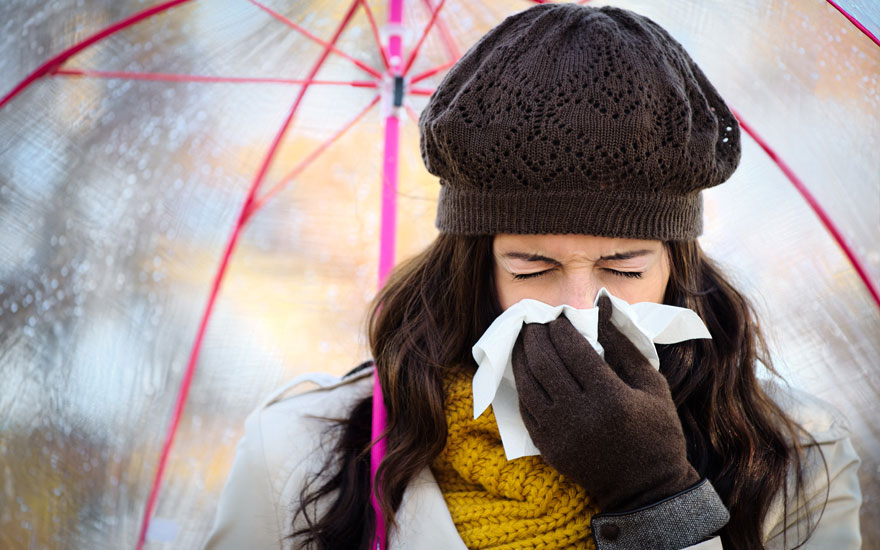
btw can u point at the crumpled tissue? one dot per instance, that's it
(644, 323)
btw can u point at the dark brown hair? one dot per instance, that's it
(435, 306)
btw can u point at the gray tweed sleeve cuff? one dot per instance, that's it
(675, 522)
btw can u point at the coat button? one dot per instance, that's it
(609, 531)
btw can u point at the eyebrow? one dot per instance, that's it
(539, 258)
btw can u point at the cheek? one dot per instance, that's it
(506, 291)
(653, 288)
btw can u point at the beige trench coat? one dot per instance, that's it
(282, 446)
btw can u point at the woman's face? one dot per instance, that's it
(570, 269)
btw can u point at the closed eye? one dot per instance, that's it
(520, 276)
(630, 274)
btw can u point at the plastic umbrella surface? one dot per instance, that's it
(175, 141)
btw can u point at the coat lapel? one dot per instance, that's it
(423, 518)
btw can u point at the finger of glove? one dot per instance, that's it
(531, 394)
(623, 356)
(529, 420)
(594, 377)
(544, 363)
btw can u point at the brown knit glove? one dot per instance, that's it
(610, 426)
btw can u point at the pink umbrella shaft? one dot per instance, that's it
(376, 455)
(386, 256)
(389, 197)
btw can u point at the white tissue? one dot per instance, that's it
(644, 323)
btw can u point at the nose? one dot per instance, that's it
(580, 294)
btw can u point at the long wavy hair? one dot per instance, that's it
(436, 305)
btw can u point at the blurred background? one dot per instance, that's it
(118, 194)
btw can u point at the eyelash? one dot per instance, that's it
(627, 274)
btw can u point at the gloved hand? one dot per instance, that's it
(610, 426)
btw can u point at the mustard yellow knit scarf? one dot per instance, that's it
(521, 504)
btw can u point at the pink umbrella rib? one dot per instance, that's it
(431, 72)
(311, 157)
(376, 35)
(411, 112)
(448, 40)
(170, 77)
(55, 62)
(817, 208)
(855, 22)
(311, 36)
(421, 91)
(425, 31)
(246, 209)
(552, 1)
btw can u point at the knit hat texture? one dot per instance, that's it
(574, 119)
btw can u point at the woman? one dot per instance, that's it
(572, 144)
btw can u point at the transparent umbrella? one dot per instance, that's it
(175, 146)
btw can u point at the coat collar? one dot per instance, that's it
(423, 518)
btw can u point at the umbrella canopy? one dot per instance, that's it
(176, 141)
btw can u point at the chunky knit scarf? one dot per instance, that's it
(521, 504)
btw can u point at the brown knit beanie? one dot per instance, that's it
(573, 119)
